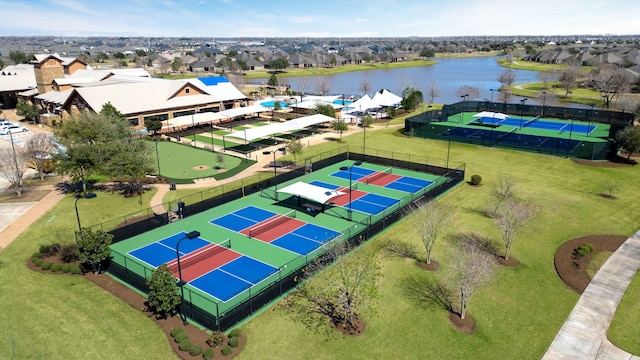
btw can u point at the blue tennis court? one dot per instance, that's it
(233, 278)
(373, 204)
(409, 184)
(305, 239)
(164, 251)
(540, 124)
(355, 174)
(243, 218)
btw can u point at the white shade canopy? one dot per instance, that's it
(386, 98)
(490, 114)
(310, 192)
(287, 126)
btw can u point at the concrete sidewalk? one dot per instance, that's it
(584, 333)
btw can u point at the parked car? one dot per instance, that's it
(12, 128)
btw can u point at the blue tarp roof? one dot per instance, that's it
(213, 80)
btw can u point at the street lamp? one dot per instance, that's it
(590, 115)
(570, 132)
(192, 235)
(275, 172)
(364, 138)
(345, 168)
(544, 100)
(491, 102)
(464, 99)
(85, 196)
(522, 110)
(448, 148)
(158, 160)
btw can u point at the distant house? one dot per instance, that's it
(204, 64)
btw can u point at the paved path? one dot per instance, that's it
(584, 334)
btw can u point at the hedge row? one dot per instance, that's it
(48, 265)
(216, 339)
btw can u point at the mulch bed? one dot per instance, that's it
(575, 275)
(137, 301)
(619, 161)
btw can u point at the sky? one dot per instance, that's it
(317, 18)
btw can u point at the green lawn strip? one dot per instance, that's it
(238, 128)
(532, 296)
(71, 309)
(339, 69)
(623, 331)
(221, 132)
(180, 163)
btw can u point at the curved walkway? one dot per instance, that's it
(584, 333)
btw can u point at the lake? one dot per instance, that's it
(448, 75)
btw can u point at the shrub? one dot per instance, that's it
(196, 350)
(66, 268)
(176, 330)
(181, 336)
(215, 339)
(589, 246)
(38, 262)
(50, 250)
(70, 253)
(56, 267)
(233, 342)
(400, 111)
(76, 269)
(581, 252)
(209, 354)
(46, 265)
(226, 350)
(186, 345)
(234, 333)
(476, 179)
(36, 255)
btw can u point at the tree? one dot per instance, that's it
(473, 92)
(273, 80)
(366, 121)
(153, 125)
(111, 112)
(365, 86)
(339, 126)
(629, 139)
(431, 220)
(432, 92)
(411, 98)
(18, 57)
(278, 64)
(141, 53)
(38, 151)
(513, 216)
(567, 78)
(610, 81)
(325, 109)
(27, 110)
(472, 268)
(345, 292)
(294, 147)
(119, 55)
(93, 248)
(507, 78)
(12, 167)
(232, 53)
(546, 77)
(176, 64)
(502, 192)
(163, 297)
(427, 53)
(323, 86)
(102, 57)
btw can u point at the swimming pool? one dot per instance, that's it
(272, 103)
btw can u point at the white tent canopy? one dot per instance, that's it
(311, 192)
(363, 104)
(386, 98)
(194, 119)
(490, 114)
(291, 125)
(231, 113)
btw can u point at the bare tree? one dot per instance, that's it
(365, 86)
(431, 220)
(12, 167)
(513, 216)
(432, 92)
(610, 81)
(323, 86)
(502, 192)
(568, 77)
(546, 77)
(507, 78)
(472, 268)
(505, 95)
(38, 150)
(473, 92)
(344, 291)
(302, 83)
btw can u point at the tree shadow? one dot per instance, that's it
(429, 292)
(481, 242)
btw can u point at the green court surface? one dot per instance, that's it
(183, 163)
(334, 220)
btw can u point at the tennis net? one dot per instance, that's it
(378, 174)
(200, 254)
(530, 121)
(270, 224)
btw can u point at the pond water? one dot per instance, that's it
(448, 75)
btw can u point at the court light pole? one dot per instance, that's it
(275, 172)
(544, 100)
(522, 110)
(192, 235)
(464, 100)
(85, 196)
(158, 160)
(448, 148)
(570, 133)
(345, 168)
(590, 115)
(491, 102)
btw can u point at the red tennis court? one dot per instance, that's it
(273, 228)
(342, 200)
(380, 178)
(200, 262)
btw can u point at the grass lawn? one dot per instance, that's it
(624, 328)
(180, 162)
(339, 69)
(529, 299)
(517, 314)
